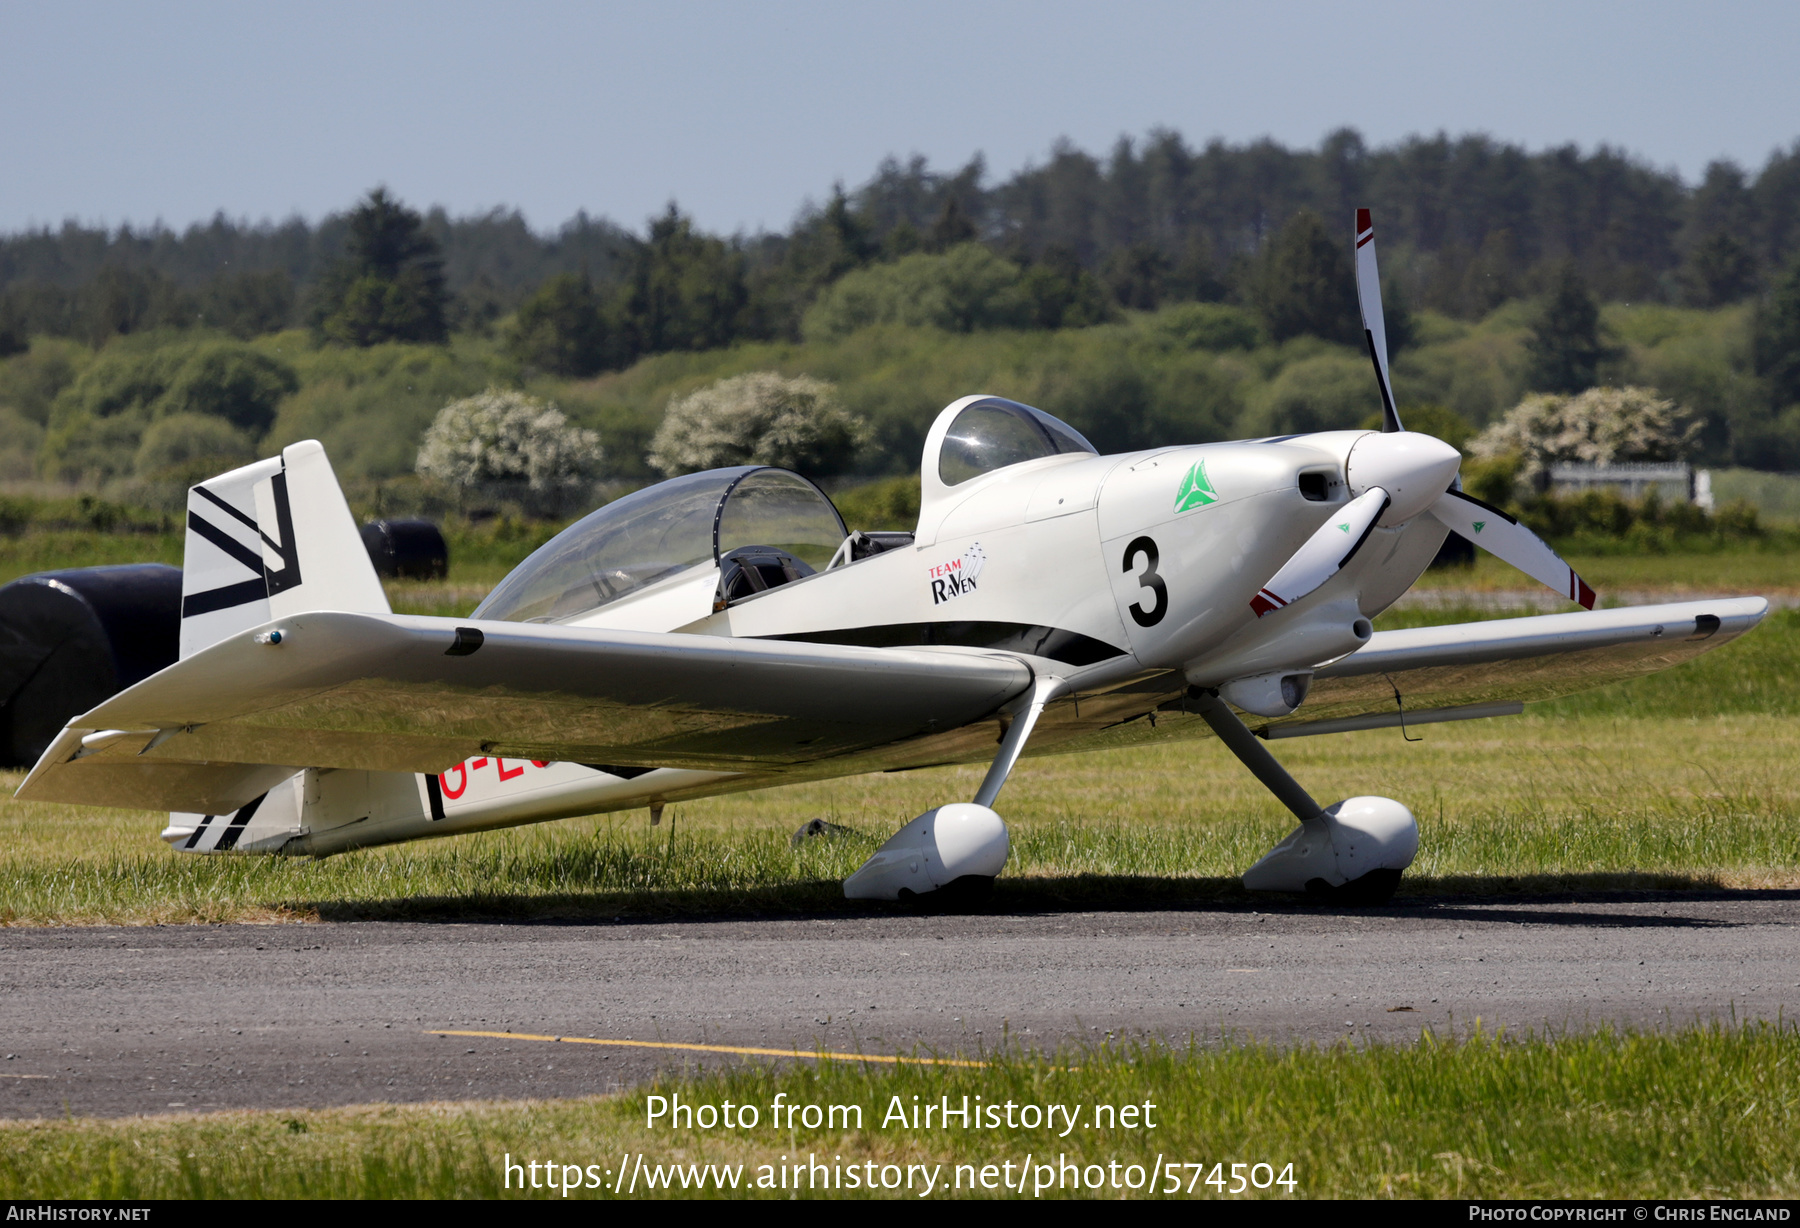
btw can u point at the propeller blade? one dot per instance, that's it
(1368, 297)
(1506, 539)
(1324, 553)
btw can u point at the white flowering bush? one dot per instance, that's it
(1601, 426)
(503, 439)
(758, 419)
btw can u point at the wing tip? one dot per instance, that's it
(1580, 592)
(1266, 602)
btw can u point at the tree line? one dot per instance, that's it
(1466, 224)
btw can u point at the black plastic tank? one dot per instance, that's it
(406, 549)
(70, 639)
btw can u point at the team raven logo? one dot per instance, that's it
(958, 576)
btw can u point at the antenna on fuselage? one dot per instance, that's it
(1368, 298)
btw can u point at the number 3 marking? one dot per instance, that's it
(1150, 580)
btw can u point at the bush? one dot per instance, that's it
(1208, 326)
(371, 407)
(508, 443)
(965, 289)
(758, 419)
(1491, 479)
(97, 423)
(189, 447)
(228, 381)
(121, 378)
(892, 504)
(20, 439)
(1599, 427)
(1604, 522)
(86, 449)
(29, 382)
(1329, 392)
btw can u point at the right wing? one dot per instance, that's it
(410, 694)
(1425, 675)
(1493, 668)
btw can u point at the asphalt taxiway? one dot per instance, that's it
(112, 1021)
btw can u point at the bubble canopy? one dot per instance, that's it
(662, 531)
(993, 433)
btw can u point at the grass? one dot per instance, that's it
(1536, 805)
(480, 558)
(475, 571)
(481, 554)
(1743, 568)
(53, 550)
(1710, 1112)
(1776, 496)
(1680, 780)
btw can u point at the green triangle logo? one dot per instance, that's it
(1344, 527)
(1480, 525)
(1195, 491)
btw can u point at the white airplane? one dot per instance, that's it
(723, 631)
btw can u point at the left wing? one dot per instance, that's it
(412, 694)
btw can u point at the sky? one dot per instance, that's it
(742, 113)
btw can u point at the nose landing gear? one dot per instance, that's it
(1351, 853)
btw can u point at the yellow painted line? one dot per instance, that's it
(670, 1044)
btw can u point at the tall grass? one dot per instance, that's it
(1769, 567)
(1681, 778)
(1517, 804)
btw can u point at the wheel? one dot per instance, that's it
(970, 893)
(1375, 887)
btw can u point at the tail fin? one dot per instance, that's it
(271, 539)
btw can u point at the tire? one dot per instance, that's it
(970, 893)
(1372, 889)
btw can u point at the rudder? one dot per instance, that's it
(271, 539)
